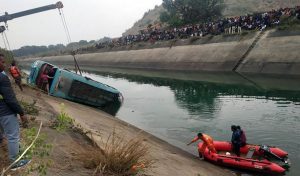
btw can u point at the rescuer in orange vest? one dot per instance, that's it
(16, 74)
(207, 142)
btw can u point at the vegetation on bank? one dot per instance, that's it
(289, 24)
(39, 152)
(58, 49)
(29, 108)
(116, 156)
(8, 55)
(63, 121)
(119, 157)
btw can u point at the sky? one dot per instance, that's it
(86, 20)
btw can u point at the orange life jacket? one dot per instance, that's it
(207, 139)
(14, 71)
(207, 142)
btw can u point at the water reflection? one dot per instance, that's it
(197, 96)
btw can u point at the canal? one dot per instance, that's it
(176, 108)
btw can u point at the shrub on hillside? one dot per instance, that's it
(119, 157)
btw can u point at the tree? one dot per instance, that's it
(82, 42)
(179, 12)
(172, 19)
(8, 55)
(72, 45)
(104, 39)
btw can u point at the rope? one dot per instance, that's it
(4, 41)
(64, 19)
(68, 40)
(7, 41)
(64, 22)
(77, 68)
(65, 25)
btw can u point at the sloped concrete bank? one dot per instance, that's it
(274, 52)
(277, 52)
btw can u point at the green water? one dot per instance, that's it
(177, 107)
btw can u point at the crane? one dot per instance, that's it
(7, 17)
(59, 5)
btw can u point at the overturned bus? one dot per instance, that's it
(74, 87)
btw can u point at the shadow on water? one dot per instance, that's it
(112, 108)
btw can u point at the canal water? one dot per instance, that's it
(175, 107)
(175, 110)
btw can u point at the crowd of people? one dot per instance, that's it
(233, 25)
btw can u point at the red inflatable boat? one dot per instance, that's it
(253, 157)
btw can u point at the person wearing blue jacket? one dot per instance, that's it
(9, 108)
(236, 140)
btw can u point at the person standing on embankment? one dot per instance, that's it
(9, 108)
(16, 74)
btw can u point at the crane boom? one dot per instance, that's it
(7, 17)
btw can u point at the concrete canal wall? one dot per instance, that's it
(277, 52)
(274, 52)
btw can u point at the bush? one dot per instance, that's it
(193, 39)
(8, 56)
(63, 121)
(29, 108)
(283, 27)
(39, 151)
(289, 23)
(244, 33)
(120, 157)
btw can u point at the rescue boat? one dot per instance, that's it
(258, 158)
